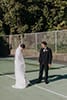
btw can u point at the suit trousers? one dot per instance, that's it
(42, 68)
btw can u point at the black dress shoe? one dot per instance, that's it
(46, 82)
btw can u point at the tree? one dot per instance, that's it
(24, 16)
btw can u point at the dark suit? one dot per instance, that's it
(45, 58)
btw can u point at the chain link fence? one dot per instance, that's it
(57, 40)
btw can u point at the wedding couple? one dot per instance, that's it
(45, 60)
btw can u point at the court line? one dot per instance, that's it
(8, 76)
(50, 91)
(41, 88)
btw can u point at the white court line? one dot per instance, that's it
(52, 92)
(8, 76)
(45, 89)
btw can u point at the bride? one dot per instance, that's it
(21, 81)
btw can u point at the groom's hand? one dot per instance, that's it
(49, 65)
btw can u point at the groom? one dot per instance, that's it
(45, 60)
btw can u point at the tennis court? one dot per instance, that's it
(55, 90)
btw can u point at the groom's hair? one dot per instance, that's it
(44, 42)
(22, 46)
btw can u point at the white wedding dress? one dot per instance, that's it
(21, 81)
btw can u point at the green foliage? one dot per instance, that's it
(32, 15)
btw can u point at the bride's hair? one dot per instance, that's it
(22, 46)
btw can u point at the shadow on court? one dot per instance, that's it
(53, 68)
(34, 81)
(11, 73)
(30, 71)
(52, 78)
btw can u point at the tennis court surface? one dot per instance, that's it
(55, 90)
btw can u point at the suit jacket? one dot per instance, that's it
(45, 56)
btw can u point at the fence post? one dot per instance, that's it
(56, 42)
(36, 40)
(22, 38)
